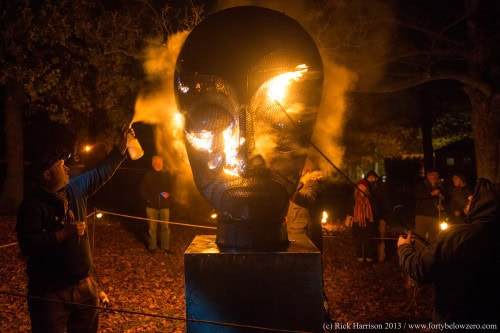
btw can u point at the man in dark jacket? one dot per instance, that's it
(51, 232)
(464, 263)
(428, 197)
(457, 198)
(156, 192)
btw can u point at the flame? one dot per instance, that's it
(213, 216)
(201, 140)
(232, 165)
(443, 225)
(87, 148)
(278, 85)
(324, 217)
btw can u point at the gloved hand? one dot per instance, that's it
(405, 240)
(74, 229)
(104, 299)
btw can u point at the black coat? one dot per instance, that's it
(464, 263)
(457, 200)
(153, 184)
(51, 264)
(425, 203)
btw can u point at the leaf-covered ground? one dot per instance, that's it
(136, 280)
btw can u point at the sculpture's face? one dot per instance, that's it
(238, 87)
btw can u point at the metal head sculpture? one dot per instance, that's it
(248, 81)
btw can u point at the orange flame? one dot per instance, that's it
(201, 141)
(324, 217)
(277, 86)
(232, 165)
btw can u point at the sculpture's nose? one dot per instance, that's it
(251, 162)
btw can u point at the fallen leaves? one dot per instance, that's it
(136, 280)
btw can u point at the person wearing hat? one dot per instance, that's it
(52, 236)
(462, 264)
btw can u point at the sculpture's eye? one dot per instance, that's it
(201, 141)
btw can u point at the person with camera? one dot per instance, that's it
(462, 264)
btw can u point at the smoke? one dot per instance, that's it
(332, 115)
(156, 105)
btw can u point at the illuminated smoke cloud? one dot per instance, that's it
(157, 106)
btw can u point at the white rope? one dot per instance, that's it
(154, 220)
(7, 245)
(15, 243)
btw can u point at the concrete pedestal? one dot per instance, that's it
(278, 290)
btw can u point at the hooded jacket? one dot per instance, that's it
(464, 263)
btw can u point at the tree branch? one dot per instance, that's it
(431, 33)
(400, 85)
(416, 53)
(123, 52)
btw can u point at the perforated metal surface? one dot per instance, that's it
(223, 88)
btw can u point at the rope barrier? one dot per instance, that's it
(152, 315)
(372, 238)
(15, 243)
(155, 220)
(8, 245)
(140, 313)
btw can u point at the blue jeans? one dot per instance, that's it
(164, 237)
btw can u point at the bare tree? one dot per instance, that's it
(409, 44)
(78, 62)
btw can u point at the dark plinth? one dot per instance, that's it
(279, 290)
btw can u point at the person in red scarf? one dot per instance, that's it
(363, 226)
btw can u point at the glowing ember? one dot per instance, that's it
(443, 225)
(184, 89)
(324, 217)
(278, 85)
(213, 216)
(99, 215)
(232, 165)
(87, 148)
(201, 140)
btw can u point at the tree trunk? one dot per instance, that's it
(426, 123)
(428, 149)
(486, 132)
(13, 186)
